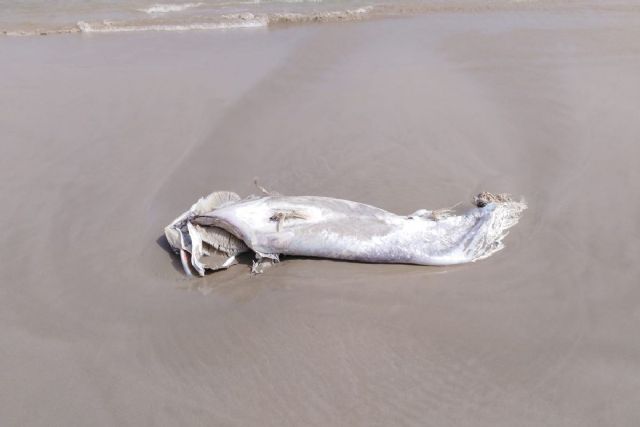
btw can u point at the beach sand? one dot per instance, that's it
(107, 138)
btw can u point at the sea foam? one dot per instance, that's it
(106, 27)
(166, 8)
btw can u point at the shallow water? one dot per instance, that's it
(40, 16)
(43, 17)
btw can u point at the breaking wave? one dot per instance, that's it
(205, 15)
(106, 27)
(224, 22)
(334, 16)
(166, 8)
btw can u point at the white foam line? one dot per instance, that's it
(166, 8)
(89, 28)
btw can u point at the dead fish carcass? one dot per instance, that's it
(222, 225)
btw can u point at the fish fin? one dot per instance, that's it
(264, 190)
(443, 213)
(263, 261)
(213, 201)
(436, 214)
(281, 216)
(490, 233)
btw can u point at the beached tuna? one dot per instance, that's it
(217, 228)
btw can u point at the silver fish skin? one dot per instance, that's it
(342, 229)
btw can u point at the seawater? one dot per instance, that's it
(33, 17)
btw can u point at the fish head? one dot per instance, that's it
(245, 219)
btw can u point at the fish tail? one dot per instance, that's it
(501, 214)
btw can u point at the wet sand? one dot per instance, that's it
(106, 139)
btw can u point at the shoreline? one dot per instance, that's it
(248, 20)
